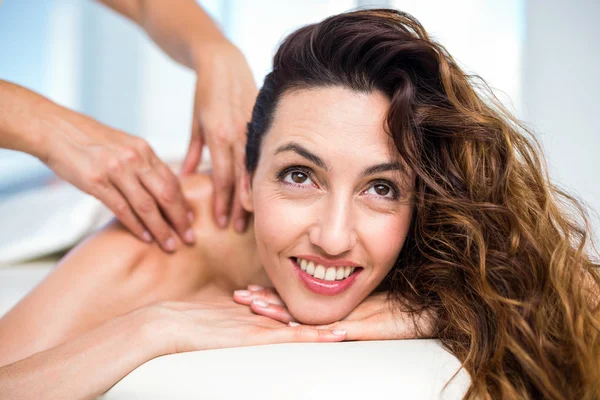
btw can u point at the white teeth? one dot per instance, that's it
(347, 271)
(330, 274)
(310, 268)
(319, 272)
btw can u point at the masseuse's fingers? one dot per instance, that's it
(194, 153)
(167, 189)
(112, 198)
(239, 215)
(170, 207)
(145, 207)
(223, 178)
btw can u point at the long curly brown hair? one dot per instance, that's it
(496, 251)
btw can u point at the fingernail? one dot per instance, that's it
(147, 236)
(292, 323)
(223, 221)
(260, 303)
(190, 217)
(242, 293)
(240, 224)
(170, 244)
(339, 332)
(254, 288)
(189, 236)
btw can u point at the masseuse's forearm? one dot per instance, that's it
(87, 366)
(25, 117)
(180, 27)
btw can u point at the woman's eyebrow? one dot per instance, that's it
(379, 168)
(302, 151)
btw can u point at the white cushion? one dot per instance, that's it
(399, 369)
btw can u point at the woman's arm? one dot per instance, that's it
(87, 366)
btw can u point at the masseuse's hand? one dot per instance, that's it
(373, 319)
(123, 172)
(225, 95)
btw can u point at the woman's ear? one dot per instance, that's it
(246, 190)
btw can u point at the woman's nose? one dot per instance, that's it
(333, 230)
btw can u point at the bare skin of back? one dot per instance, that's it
(112, 273)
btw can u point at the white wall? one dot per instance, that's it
(561, 89)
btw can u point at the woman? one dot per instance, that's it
(372, 164)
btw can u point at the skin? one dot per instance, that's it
(114, 290)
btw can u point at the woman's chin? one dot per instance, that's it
(318, 315)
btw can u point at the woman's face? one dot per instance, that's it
(330, 201)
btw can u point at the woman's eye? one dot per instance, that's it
(381, 190)
(297, 178)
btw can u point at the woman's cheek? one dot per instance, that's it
(384, 236)
(279, 221)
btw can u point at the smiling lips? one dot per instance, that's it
(325, 280)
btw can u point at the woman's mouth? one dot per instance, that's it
(322, 279)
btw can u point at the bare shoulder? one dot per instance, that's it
(228, 255)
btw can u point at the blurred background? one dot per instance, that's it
(542, 56)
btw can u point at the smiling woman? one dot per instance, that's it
(372, 165)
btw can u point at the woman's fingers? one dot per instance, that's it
(304, 333)
(264, 302)
(274, 311)
(359, 330)
(257, 292)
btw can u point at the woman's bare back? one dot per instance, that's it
(112, 273)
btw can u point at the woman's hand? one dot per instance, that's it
(221, 323)
(373, 319)
(123, 172)
(225, 95)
